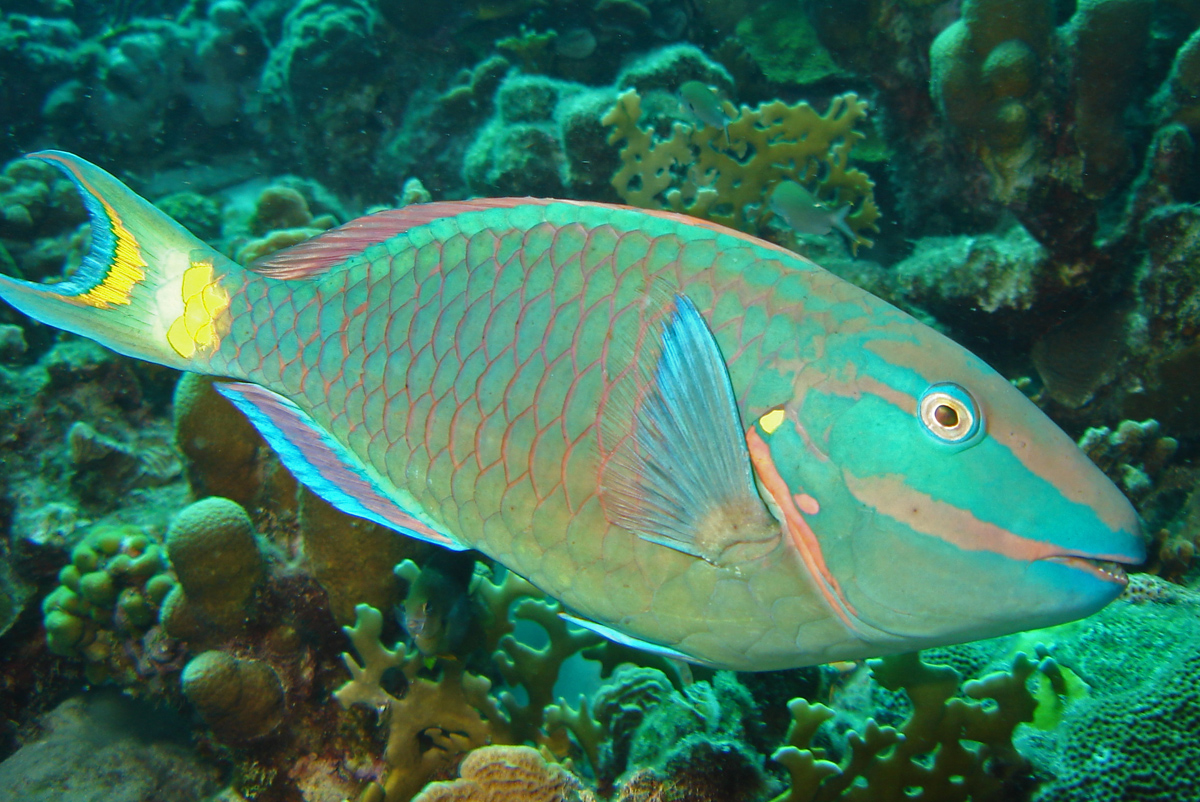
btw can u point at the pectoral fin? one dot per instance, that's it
(684, 480)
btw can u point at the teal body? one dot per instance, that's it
(701, 443)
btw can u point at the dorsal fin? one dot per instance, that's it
(312, 258)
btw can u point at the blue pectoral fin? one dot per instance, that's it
(684, 480)
(325, 466)
(616, 636)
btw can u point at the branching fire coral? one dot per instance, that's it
(701, 172)
(931, 751)
(444, 710)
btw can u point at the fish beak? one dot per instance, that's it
(1104, 570)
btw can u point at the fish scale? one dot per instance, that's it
(537, 366)
(703, 444)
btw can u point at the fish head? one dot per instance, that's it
(931, 502)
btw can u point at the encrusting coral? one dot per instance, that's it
(1129, 734)
(508, 774)
(696, 170)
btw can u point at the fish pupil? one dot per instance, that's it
(946, 416)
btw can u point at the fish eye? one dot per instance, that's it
(949, 413)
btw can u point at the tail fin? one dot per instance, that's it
(147, 289)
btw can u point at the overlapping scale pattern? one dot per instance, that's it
(470, 363)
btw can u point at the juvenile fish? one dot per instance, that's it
(705, 105)
(801, 210)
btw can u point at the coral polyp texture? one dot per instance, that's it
(727, 175)
(110, 592)
(179, 619)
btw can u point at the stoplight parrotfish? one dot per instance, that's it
(701, 443)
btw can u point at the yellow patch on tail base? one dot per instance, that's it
(203, 302)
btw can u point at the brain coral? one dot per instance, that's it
(1133, 737)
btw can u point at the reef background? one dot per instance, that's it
(1023, 177)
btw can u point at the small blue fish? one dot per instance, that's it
(801, 210)
(705, 105)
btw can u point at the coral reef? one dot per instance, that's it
(111, 592)
(931, 750)
(500, 773)
(1036, 162)
(224, 453)
(445, 710)
(215, 554)
(694, 171)
(1132, 456)
(239, 700)
(351, 558)
(1140, 662)
(105, 746)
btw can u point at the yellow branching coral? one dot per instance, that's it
(948, 749)
(443, 711)
(432, 725)
(697, 171)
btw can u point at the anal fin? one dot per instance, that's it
(324, 465)
(615, 635)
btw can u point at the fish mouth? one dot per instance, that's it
(1106, 570)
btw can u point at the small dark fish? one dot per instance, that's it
(437, 611)
(699, 100)
(801, 210)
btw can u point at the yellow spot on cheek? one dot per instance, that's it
(771, 421)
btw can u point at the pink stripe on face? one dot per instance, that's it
(890, 496)
(802, 535)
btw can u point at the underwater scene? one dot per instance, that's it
(599, 400)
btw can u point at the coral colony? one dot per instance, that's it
(205, 594)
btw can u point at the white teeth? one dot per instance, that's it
(1105, 568)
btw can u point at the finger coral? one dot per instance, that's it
(111, 591)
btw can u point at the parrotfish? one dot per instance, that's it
(699, 100)
(702, 443)
(801, 210)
